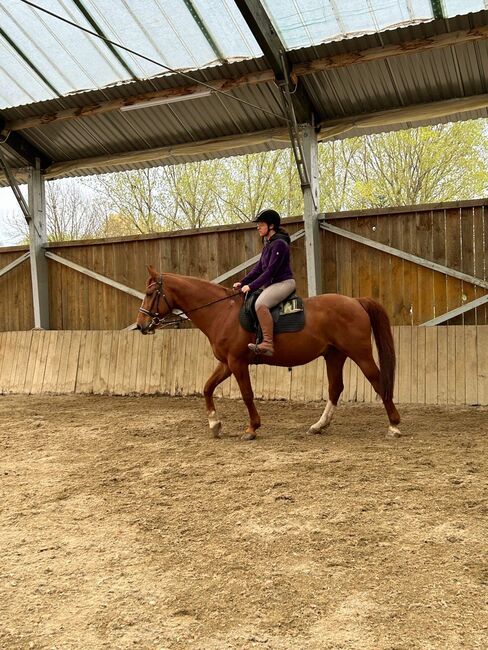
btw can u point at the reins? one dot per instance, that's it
(159, 321)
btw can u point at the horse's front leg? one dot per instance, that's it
(221, 372)
(240, 370)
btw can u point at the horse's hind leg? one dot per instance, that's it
(372, 374)
(220, 373)
(335, 360)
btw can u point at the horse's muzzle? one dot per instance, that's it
(148, 329)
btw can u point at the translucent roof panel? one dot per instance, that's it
(42, 57)
(302, 23)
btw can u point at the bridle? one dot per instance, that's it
(158, 321)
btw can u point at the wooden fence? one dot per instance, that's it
(438, 365)
(454, 235)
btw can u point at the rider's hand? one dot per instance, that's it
(245, 288)
(236, 285)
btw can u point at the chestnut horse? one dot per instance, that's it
(336, 327)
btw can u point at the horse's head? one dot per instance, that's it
(155, 306)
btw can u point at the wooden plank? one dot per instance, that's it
(410, 279)
(472, 358)
(467, 262)
(383, 272)
(64, 343)
(405, 365)
(101, 383)
(460, 363)
(421, 370)
(431, 365)
(163, 353)
(34, 351)
(94, 367)
(7, 363)
(297, 392)
(439, 256)
(442, 365)
(480, 236)
(80, 376)
(142, 358)
(453, 260)
(482, 359)
(450, 315)
(414, 353)
(10, 377)
(73, 362)
(421, 261)
(52, 364)
(199, 367)
(425, 276)
(127, 385)
(283, 383)
(89, 361)
(23, 350)
(40, 367)
(96, 276)
(344, 269)
(451, 363)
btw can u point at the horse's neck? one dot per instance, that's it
(190, 294)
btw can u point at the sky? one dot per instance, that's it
(8, 204)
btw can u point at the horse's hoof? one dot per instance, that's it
(393, 432)
(248, 435)
(314, 431)
(216, 429)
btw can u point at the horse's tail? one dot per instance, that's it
(380, 324)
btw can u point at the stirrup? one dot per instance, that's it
(254, 347)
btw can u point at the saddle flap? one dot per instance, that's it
(288, 315)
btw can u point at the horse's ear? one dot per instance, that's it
(152, 272)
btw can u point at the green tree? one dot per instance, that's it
(425, 165)
(255, 181)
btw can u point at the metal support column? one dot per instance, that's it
(38, 238)
(311, 211)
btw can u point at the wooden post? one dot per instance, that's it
(37, 239)
(311, 211)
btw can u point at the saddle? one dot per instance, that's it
(288, 315)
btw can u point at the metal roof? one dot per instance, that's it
(354, 79)
(42, 57)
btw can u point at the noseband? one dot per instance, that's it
(156, 317)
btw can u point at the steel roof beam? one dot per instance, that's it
(437, 8)
(31, 65)
(19, 146)
(275, 54)
(83, 10)
(333, 62)
(203, 28)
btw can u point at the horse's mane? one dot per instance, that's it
(216, 289)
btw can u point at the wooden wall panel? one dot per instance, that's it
(455, 236)
(443, 365)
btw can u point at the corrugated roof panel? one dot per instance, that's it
(46, 57)
(309, 22)
(71, 60)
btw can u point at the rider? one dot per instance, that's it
(272, 271)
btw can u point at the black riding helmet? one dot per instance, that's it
(270, 217)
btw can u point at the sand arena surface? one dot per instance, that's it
(123, 525)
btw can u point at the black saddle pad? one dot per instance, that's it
(288, 316)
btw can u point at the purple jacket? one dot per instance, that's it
(273, 265)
